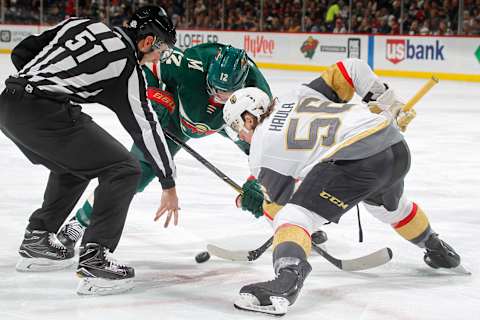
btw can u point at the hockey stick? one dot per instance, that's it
(349, 265)
(369, 261)
(239, 255)
(203, 161)
(420, 93)
(318, 238)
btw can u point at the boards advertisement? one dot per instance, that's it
(451, 58)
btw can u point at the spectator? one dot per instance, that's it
(308, 24)
(443, 29)
(200, 8)
(414, 28)
(332, 12)
(476, 26)
(395, 27)
(368, 16)
(425, 29)
(384, 27)
(317, 25)
(365, 26)
(339, 26)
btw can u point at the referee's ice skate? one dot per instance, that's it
(41, 251)
(70, 233)
(100, 274)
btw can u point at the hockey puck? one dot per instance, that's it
(202, 257)
(319, 237)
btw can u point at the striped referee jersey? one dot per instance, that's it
(90, 63)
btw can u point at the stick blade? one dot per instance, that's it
(232, 255)
(373, 260)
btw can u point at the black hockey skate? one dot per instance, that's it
(41, 251)
(100, 273)
(439, 254)
(274, 297)
(71, 233)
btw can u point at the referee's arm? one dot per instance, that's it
(138, 118)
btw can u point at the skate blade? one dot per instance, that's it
(42, 264)
(249, 302)
(100, 287)
(461, 270)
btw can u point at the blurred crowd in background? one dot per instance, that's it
(447, 17)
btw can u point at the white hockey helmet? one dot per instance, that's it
(250, 99)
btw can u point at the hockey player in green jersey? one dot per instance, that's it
(188, 92)
(201, 79)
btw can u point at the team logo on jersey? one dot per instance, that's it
(195, 129)
(477, 54)
(308, 47)
(191, 128)
(398, 50)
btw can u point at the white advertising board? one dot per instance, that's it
(11, 35)
(454, 55)
(454, 58)
(284, 49)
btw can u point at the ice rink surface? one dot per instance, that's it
(444, 179)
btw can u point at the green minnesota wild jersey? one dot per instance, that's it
(184, 74)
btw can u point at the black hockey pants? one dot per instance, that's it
(332, 188)
(56, 134)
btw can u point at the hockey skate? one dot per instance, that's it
(71, 233)
(41, 251)
(274, 297)
(439, 254)
(100, 274)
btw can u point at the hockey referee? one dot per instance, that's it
(84, 61)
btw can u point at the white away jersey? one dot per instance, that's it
(306, 128)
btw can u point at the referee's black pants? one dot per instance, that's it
(75, 149)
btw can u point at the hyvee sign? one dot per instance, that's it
(258, 45)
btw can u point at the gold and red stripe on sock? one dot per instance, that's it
(414, 227)
(293, 233)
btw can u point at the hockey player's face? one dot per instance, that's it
(222, 96)
(164, 50)
(153, 57)
(153, 51)
(250, 123)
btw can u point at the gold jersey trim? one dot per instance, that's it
(356, 138)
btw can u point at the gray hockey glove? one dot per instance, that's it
(388, 105)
